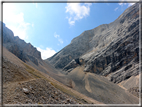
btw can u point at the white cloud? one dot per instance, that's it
(61, 41)
(122, 4)
(77, 11)
(129, 4)
(20, 30)
(15, 21)
(46, 53)
(71, 22)
(58, 37)
(115, 8)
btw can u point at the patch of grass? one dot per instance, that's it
(68, 92)
(37, 74)
(34, 72)
(63, 89)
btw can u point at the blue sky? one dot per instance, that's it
(51, 26)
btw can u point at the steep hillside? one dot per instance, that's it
(24, 51)
(23, 84)
(132, 85)
(99, 88)
(110, 50)
(28, 53)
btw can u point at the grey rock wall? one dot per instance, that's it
(105, 49)
(24, 51)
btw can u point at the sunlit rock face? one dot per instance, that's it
(24, 51)
(110, 49)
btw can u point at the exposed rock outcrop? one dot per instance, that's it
(135, 91)
(107, 49)
(24, 51)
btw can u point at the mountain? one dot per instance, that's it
(24, 51)
(23, 84)
(96, 67)
(111, 50)
(27, 79)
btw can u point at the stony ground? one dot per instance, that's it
(132, 85)
(25, 85)
(36, 91)
(135, 91)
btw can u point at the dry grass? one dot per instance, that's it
(61, 87)
(32, 71)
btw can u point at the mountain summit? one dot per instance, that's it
(105, 49)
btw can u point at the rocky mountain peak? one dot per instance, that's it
(24, 51)
(104, 49)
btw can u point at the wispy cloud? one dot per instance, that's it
(56, 36)
(116, 9)
(46, 53)
(121, 4)
(15, 21)
(59, 38)
(61, 41)
(129, 4)
(77, 11)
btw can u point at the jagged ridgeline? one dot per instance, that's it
(105, 49)
(24, 51)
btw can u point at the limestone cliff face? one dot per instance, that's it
(24, 51)
(110, 49)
